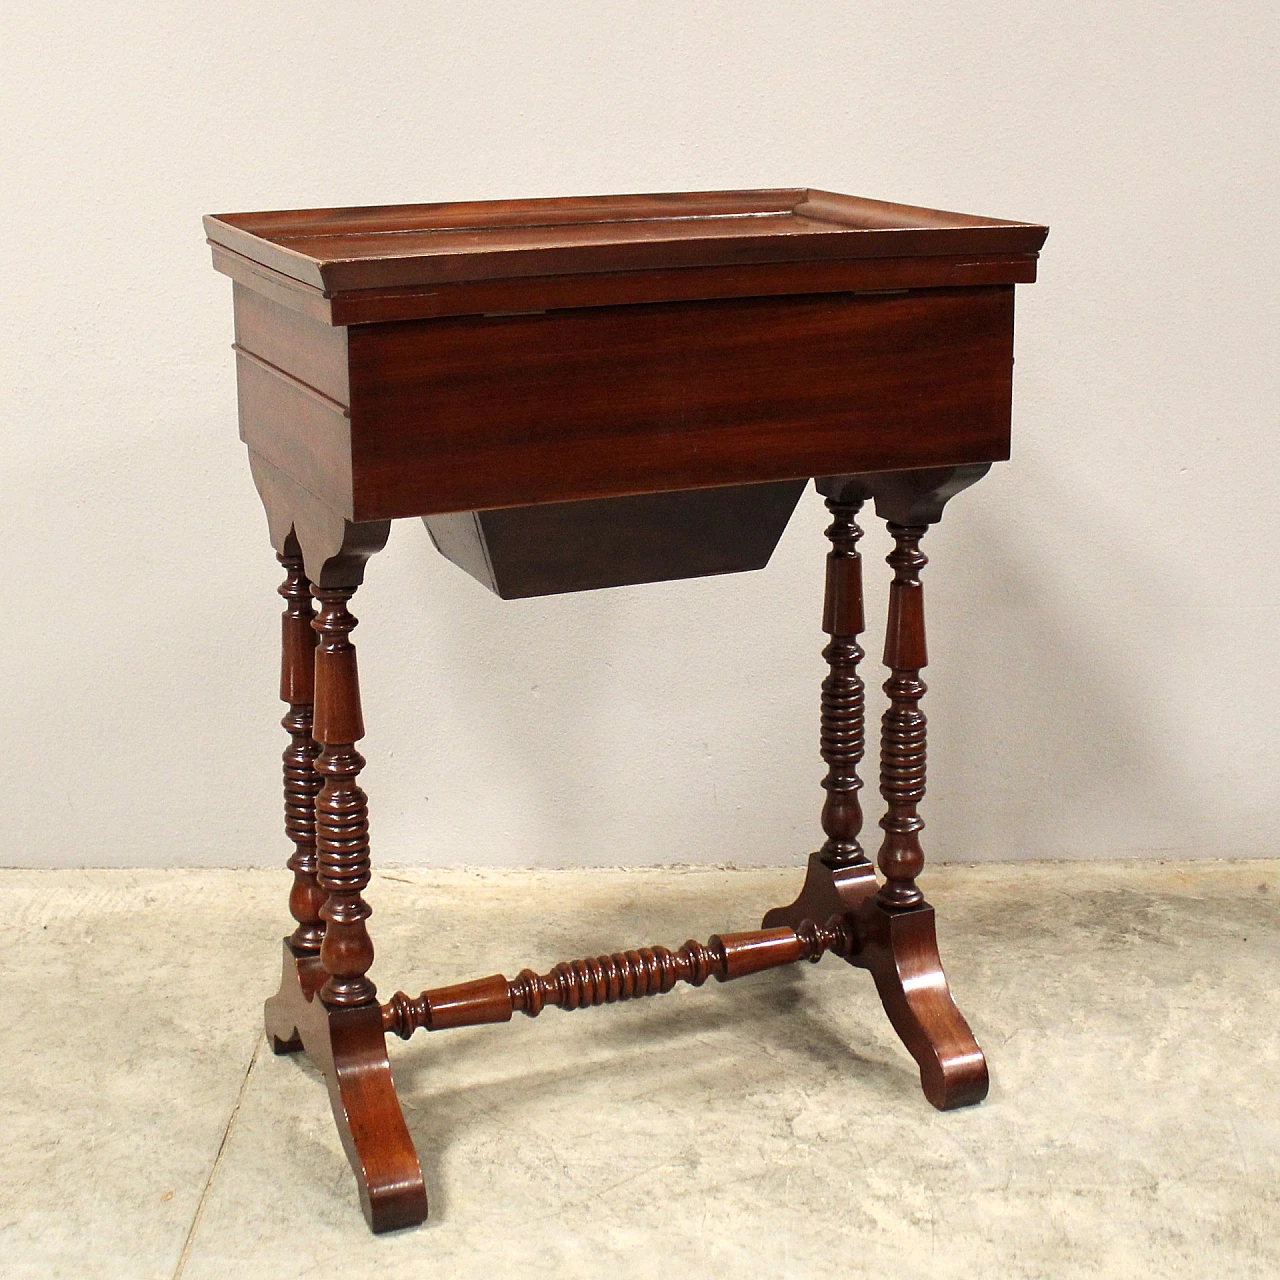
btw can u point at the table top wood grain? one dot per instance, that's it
(360, 265)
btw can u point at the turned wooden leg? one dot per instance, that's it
(902, 728)
(896, 928)
(301, 781)
(326, 1004)
(301, 784)
(343, 1031)
(843, 735)
(899, 943)
(839, 875)
(342, 814)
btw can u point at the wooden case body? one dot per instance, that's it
(665, 351)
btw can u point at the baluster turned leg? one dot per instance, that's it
(902, 732)
(301, 786)
(843, 734)
(890, 926)
(839, 876)
(301, 781)
(896, 927)
(325, 1004)
(342, 814)
(352, 1051)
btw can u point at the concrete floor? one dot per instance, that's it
(773, 1127)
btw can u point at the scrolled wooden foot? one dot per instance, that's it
(900, 948)
(279, 1018)
(827, 891)
(349, 1047)
(891, 927)
(896, 929)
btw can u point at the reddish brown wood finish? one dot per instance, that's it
(286, 340)
(336, 252)
(900, 949)
(891, 927)
(442, 359)
(910, 502)
(843, 694)
(903, 726)
(301, 781)
(334, 549)
(623, 288)
(624, 975)
(342, 815)
(349, 1047)
(472, 413)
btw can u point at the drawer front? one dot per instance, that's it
(480, 412)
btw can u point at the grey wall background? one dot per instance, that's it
(1103, 608)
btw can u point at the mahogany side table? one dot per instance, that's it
(577, 393)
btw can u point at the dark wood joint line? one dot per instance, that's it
(305, 387)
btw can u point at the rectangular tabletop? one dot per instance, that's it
(436, 358)
(409, 261)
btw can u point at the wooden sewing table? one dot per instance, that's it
(578, 393)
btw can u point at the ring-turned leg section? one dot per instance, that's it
(891, 926)
(350, 1046)
(896, 927)
(326, 1005)
(301, 782)
(839, 877)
